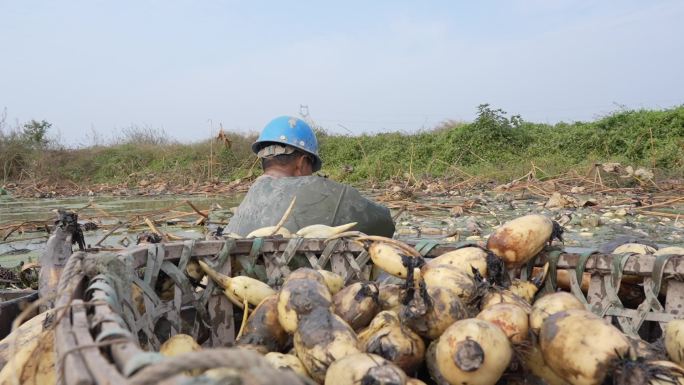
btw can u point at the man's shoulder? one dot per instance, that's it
(311, 187)
(319, 201)
(300, 181)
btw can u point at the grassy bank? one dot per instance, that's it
(494, 146)
(499, 148)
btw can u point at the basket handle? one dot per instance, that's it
(234, 358)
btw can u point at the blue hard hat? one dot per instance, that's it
(292, 132)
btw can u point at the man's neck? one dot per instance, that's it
(278, 173)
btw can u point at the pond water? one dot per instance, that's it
(16, 210)
(438, 218)
(106, 212)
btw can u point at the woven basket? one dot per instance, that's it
(102, 337)
(656, 294)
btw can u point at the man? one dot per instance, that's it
(288, 150)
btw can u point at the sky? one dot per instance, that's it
(359, 66)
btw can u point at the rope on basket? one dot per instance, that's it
(651, 290)
(552, 279)
(577, 279)
(424, 246)
(233, 358)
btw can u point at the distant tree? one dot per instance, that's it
(35, 132)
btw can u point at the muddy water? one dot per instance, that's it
(586, 228)
(105, 212)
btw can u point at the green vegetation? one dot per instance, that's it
(494, 146)
(501, 148)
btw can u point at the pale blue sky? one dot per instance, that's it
(367, 65)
